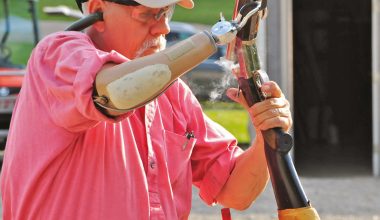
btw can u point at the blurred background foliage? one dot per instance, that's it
(204, 12)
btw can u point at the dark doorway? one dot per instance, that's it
(332, 87)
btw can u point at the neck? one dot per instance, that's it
(98, 39)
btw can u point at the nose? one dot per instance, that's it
(161, 27)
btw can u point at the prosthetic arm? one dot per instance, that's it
(124, 87)
(132, 84)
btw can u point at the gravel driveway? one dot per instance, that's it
(355, 198)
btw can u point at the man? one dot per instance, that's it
(67, 158)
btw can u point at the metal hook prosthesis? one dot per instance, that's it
(225, 31)
(242, 22)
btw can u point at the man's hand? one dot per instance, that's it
(250, 174)
(270, 113)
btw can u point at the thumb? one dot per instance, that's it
(237, 96)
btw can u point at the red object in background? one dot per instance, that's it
(226, 214)
(11, 77)
(10, 85)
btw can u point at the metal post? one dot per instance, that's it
(376, 86)
(279, 34)
(280, 44)
(33, 12)
(7, 24)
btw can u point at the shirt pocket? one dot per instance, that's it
(178, 153)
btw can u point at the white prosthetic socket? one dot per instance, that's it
(132, 84)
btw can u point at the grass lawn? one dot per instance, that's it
(204, 12)
(20, 52)
(21, 8)
(231, 116)
(235, 121)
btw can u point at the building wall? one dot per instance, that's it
(376, 85)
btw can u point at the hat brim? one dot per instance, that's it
(162, 3)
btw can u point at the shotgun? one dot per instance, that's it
(290, 197)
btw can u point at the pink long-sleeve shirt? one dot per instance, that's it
(64, 159)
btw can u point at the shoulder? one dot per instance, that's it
(64, 39)
(69, 47)
(64, 42)
(66, 35)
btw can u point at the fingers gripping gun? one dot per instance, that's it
(291, 200)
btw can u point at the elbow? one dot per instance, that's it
(242, 200)
(241, 206)
(240, 203)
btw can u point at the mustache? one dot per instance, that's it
(156, 42)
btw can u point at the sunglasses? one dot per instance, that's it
(143, 14)
(124, 2)
(148, 15)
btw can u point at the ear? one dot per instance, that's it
(96, 6)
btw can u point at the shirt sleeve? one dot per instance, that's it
(65, 64)
(215, 152)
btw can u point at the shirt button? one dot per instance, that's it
(152, 165)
